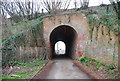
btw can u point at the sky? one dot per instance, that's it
(91, 3)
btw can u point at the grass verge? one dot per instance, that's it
(102, 69)
(34, 67)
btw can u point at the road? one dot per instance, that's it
(65, 69)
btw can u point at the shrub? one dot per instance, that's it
(84, 59)
(112, 66)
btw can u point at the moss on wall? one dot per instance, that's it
(103, 33)
(30, 40)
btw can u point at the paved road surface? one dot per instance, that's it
(65, 69)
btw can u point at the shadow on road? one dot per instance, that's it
(60, 57)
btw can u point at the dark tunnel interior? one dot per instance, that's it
(66, 34)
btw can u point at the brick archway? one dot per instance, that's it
(77, 22)
(66, 34)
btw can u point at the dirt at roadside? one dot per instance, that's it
(14, 69)
(101, 73)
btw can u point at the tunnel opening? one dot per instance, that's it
(67, 35)
(60, 48)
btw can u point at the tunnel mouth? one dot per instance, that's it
(66, 34)
(60, 48)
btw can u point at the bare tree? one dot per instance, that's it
(8, 7)
(2, 12)
(84, 3)
(75, 3)
(29, 8)
(25, 9)
(52, 6)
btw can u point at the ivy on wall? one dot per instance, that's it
(11, 46)
(101, 15)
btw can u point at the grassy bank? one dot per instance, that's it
(101, 69)
(31, 69)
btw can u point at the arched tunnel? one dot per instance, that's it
(66, 34)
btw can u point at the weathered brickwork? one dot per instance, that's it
(103, 45)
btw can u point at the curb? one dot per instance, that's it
(44, 70)
(40, 69)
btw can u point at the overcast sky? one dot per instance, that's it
(91, 2)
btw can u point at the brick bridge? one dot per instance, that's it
(73, 30)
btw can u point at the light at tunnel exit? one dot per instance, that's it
(67, 35)
(60, 48)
